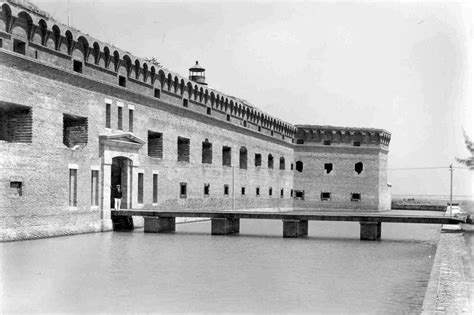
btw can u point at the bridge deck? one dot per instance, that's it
(298, 215)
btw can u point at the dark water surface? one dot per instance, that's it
(258, 271)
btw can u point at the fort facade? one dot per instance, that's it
(79, 116)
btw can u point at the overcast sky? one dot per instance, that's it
(404, 67)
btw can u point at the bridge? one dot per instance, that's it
(295, 223)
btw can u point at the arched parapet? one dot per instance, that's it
(189, 88)
(22, 26)
(212, 98)
(126, 66)
(169, 82)
(136, 70)
(162, 78)
(182, 87)
(153, 75)
(81, 49)
(108, 58)
(176, 84)
(40, 33)
(206, 97)
(6, 18)
(96, 55)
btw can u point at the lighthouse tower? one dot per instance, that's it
(197, 74)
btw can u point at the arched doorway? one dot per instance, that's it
(121, 174)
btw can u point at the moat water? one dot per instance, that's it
(257, 271)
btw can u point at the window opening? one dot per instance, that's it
(257, 191)
(16, 124)
(130, 120)
(208, 110)
(299, 141)
(228, 117)
(73, 187)
(77, 66)
(243, 191)
(226, 190)
(94, 187)
(299, 194)
(282, 193)
(122, 81)
(243, 158)
(328, 167)
(327, 142)
(355, 196)
(140, 188)
(74, 131)
(155, 144)
(359, 167)
(206, 152)
(107, 115)
(19, 47)
(157, 93)
(183, 191)
(270, 161)
(183, 149)
(270, 191)
(226, 156)
(155, 188)
(282, 163)
(356, 143)
(119, 118)
(258, 159)
(299, 166)
(185, 102)
(325, 196)
(16, 188)
(206, 190)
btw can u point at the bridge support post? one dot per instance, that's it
(295, 228)
(159, 224)
(370, 231)
(223, 226)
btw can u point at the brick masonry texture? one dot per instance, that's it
(65, 128)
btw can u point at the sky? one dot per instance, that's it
(405, 67)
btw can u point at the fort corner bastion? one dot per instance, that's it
(79, 116)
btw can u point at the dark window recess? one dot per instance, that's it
(325, 196)
(226, 156)
(282, 193)
(157, 93)
(270, 161)
(327, 142)
(228, 117)
(299, 141)
(270, 191)
(356, 143)
(183, 190)
(16, 188)
(19, 47)
(155, 188)
(299, 194)
(271, 133)
(299, 166)
(130, 120)
(119, 118)
(243, 158)
(185, 102)
(258, 159)
(259, 128)
(74, 131)
(206, 152)
(36, 54)
(282, 163)
(291, 166)
(355, 196)
(291, 193)
(359, 167)
(206, 190)
(94, 188)
(242, 191)
(77, 66)
(72, 187)
(155, 144)
(1, 43)
(108, 109)
(328, 167)
(140, 188)
(183, 149)
(122, 81)
(257, 191)
(208, 110)
(16, 124)
(226, 190)
(245, 124)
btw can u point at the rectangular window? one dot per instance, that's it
(291, 193)
(185, 102)
(155, 188)
(270, 191)
(299, 194)
(226, 190)
(157, 93)
(299, 141)
(16, 124)
(119, 118)
(208, 110)
(242, 191)
(258, 159)
(226, 156)
(108, 110)
(94, 188)
(356, 143)
(228, 117)
(130, 120)
(257, 191)
(259, 128)
(74, 131)
(325, 196)
(1, 43)
(16, 188)
(183, 149)
(155, 144)
(355, 197)
(72, 187)
(206, 190)
(282, 193)
(206, 152)
(328, 167)
(77, 66)
(327, 142)
(122, 81)
(19, 47)
(183, 192)
(140, 188)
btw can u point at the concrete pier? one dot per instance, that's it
(160, 224)
(223, 226)
(295, 228)
(370, 231)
